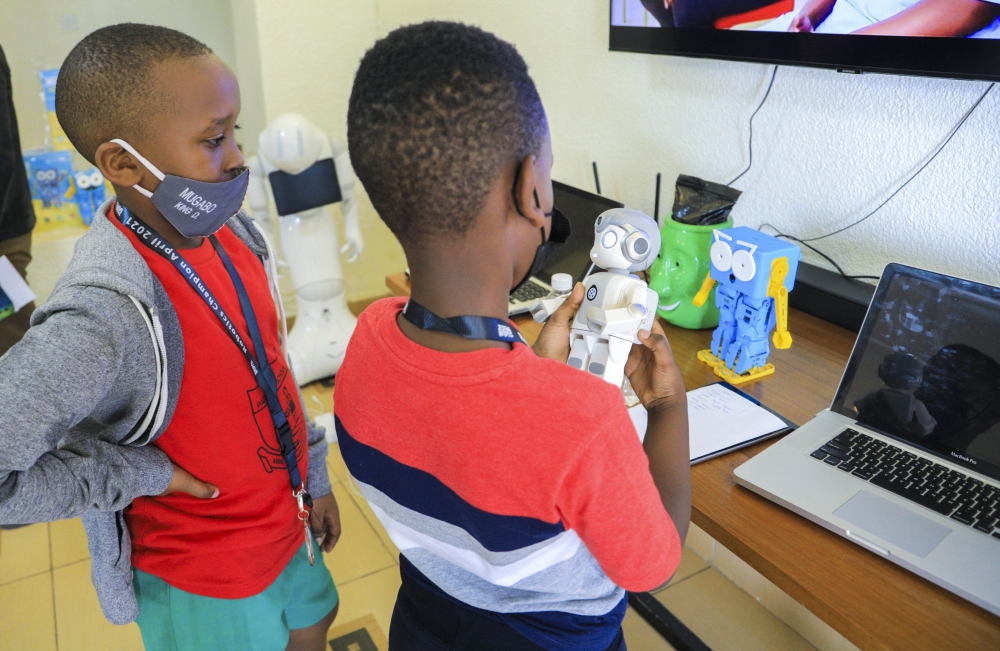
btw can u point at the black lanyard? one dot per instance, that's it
(262, 371)
(470, 327)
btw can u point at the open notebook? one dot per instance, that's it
(722, 419)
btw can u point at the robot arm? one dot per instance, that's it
(355, 242)
(776, 290)
(257, 196)
(706, 289)
(621, 320)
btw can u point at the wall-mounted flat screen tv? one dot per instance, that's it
(942, 38)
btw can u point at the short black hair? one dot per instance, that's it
(104, 86)
(437, 111)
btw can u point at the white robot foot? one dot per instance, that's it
(317, 343)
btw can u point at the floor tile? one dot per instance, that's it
(24, 552)
(727, 618)
(362, 504)
(371, 595)
(80, 623)
(797, 616)
(700, 542)
(691, 564)
(69, 542)
(26, 617)
(640, 636)
(360, 550)
(369, 623)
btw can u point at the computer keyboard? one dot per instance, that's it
(529, 291)
(963, 498)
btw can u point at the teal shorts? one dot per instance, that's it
(173, 620)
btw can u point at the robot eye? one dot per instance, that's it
(722, 256)
(83, 181)
(609, 239)
(744, 267)
(636, 245)
(96, 179)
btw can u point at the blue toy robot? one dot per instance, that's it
(47, 183)
(755, 272)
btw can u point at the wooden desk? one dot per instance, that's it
(870, 601)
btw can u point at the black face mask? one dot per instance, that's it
(558, 235)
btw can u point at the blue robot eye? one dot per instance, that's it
(609, 239)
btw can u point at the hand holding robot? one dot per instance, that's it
(307, 171)
(617, 304)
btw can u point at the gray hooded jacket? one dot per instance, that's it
(95, 379)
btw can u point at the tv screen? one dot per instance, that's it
(945, 38)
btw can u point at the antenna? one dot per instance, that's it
(656, 202)
(597, 180)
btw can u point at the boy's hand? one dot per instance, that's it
(653, 372)
(324, 520)
(185, 482)
(553, 340)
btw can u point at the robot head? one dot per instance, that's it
(742, 258)
(291, 142)
(625, 239)
(90, 180)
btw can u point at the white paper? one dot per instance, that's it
(13, 285)
(720, 418)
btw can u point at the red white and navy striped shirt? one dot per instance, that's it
(514, 484)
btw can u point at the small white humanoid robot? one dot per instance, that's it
(617, 303)
(307, 171)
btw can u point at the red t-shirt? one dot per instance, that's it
(221, 432)
(514, 484)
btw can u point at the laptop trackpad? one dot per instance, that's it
(893, 523)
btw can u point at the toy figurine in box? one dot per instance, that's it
(50, 175)
(754, 273)
(90, 193)
(700, 207)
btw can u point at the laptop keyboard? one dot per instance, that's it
(951, 493)
(529, 291)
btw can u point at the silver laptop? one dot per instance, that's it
(573, 257)
(906, 462)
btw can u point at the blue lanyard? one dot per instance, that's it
(262, 371)
(470, 327)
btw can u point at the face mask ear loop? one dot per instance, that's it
(149, 166)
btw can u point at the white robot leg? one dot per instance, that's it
(599, 358)
(618, 350)
(324, 325)
(579, 349)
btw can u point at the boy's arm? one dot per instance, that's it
(50, 381)
(657, 381)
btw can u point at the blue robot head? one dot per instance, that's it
(742, 258)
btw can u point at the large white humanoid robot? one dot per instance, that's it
(617, 303)
(307, 172)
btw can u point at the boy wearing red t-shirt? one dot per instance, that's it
(514, 486)
(152, 394)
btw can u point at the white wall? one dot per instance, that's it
(38, 34)
(828, 147)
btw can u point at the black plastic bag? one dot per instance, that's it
(702, 203)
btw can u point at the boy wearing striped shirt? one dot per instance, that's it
(515, 486)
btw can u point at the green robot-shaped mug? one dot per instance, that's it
(677, 274)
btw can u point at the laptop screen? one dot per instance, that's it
(582, 209)
(926, 367)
